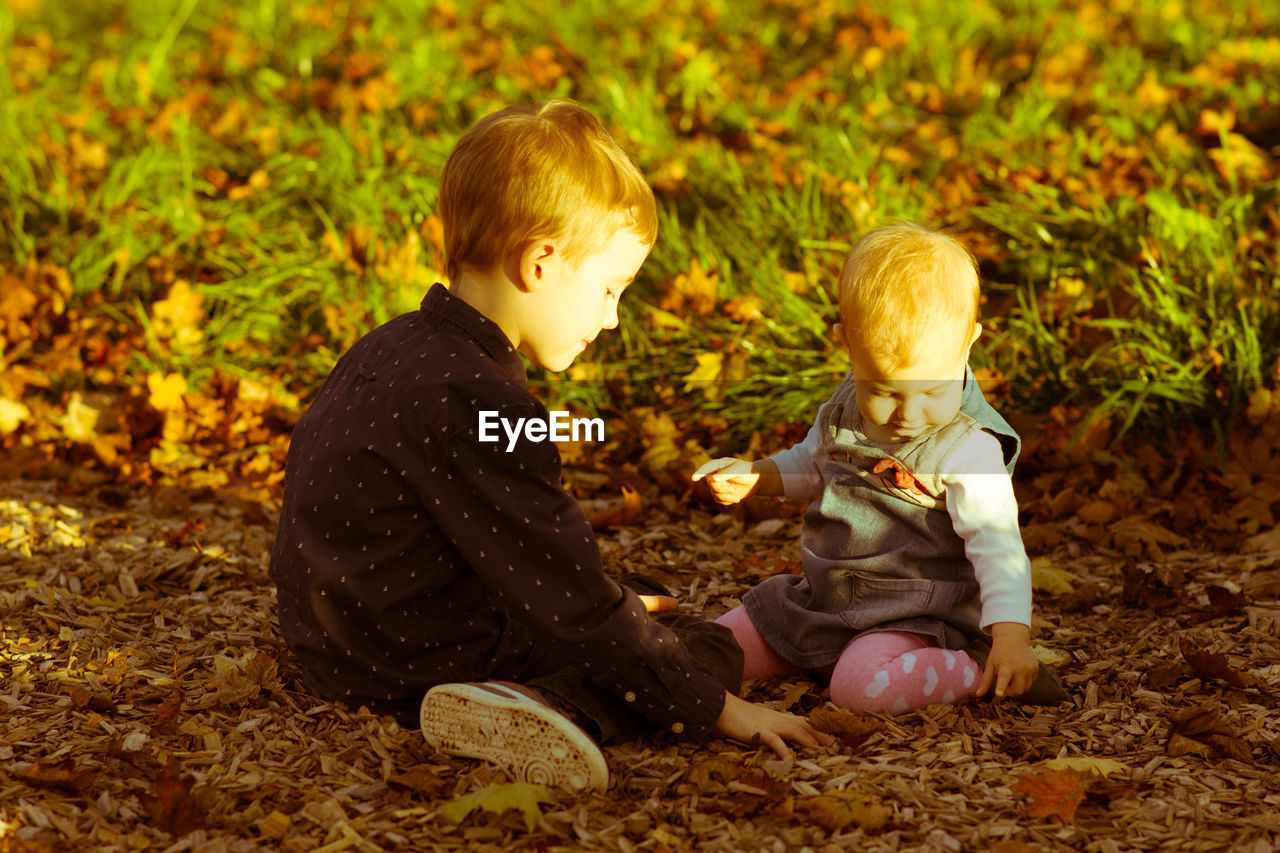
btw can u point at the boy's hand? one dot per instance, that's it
(730, 479)
(756, 724)
(658, 603)
(1011, 666)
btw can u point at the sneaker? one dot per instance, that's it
(513, 727)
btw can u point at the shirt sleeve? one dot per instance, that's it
(511, 520)
(800, 467)
(984, 513)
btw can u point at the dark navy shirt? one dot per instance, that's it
(410, 553)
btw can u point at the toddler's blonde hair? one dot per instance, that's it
(539, 170)
(903, 281)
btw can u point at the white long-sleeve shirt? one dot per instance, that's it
(983, 510)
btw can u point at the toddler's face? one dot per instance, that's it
(899, 402)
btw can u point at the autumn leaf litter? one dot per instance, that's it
(150, 704)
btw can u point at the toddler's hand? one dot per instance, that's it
(1012, 666)
(730, 479)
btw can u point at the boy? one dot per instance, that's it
(912, 552)
(415, 557)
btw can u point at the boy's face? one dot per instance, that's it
(580, 299)
(899, 402)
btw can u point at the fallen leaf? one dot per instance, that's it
(1097, 512)
(166, 391)
(1046, 578)
(169, 708)
(176, 806)
(420, 780)
(850, 729)
(1201, 730)
(1050, 657)
(1057, 792)
(1142, 588)
(1103, 767)
(497, 798)
(63, 775)
(1223, 601)
(628, 511)
(1212, 665)
(837, 810)
(80, 420)
(717, 767)
(1183, 745)
(704, 377)
(12, 414)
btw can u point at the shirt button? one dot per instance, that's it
(678, 728)
(629, 696)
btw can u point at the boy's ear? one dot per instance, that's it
(973, 339)
(837, 335)
(535, 264)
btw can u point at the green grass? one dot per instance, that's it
(1126, 273)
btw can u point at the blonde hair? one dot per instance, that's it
(539, 170)
(903, 281)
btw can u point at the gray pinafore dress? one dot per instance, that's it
(878, 556)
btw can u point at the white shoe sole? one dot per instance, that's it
(497, 724)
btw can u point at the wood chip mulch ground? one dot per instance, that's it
(147, 703)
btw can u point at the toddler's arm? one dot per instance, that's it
(984, 512)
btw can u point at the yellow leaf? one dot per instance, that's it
(12, 414)
(166, 391)
(659, 319)
(705, 374)
(79, 421)
(660, 434)
(839, 809)
(694, 291)
(522, 796)
(1046, 578)
(1103, 767)
(1050, 657)
(179, 315)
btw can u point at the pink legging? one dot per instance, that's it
(883, 672)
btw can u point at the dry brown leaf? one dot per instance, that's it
(176, 806)
(63, 775)
(852, 730)
(1216, 666)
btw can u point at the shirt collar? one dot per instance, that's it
(442, 308)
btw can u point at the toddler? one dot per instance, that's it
(916, 586)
